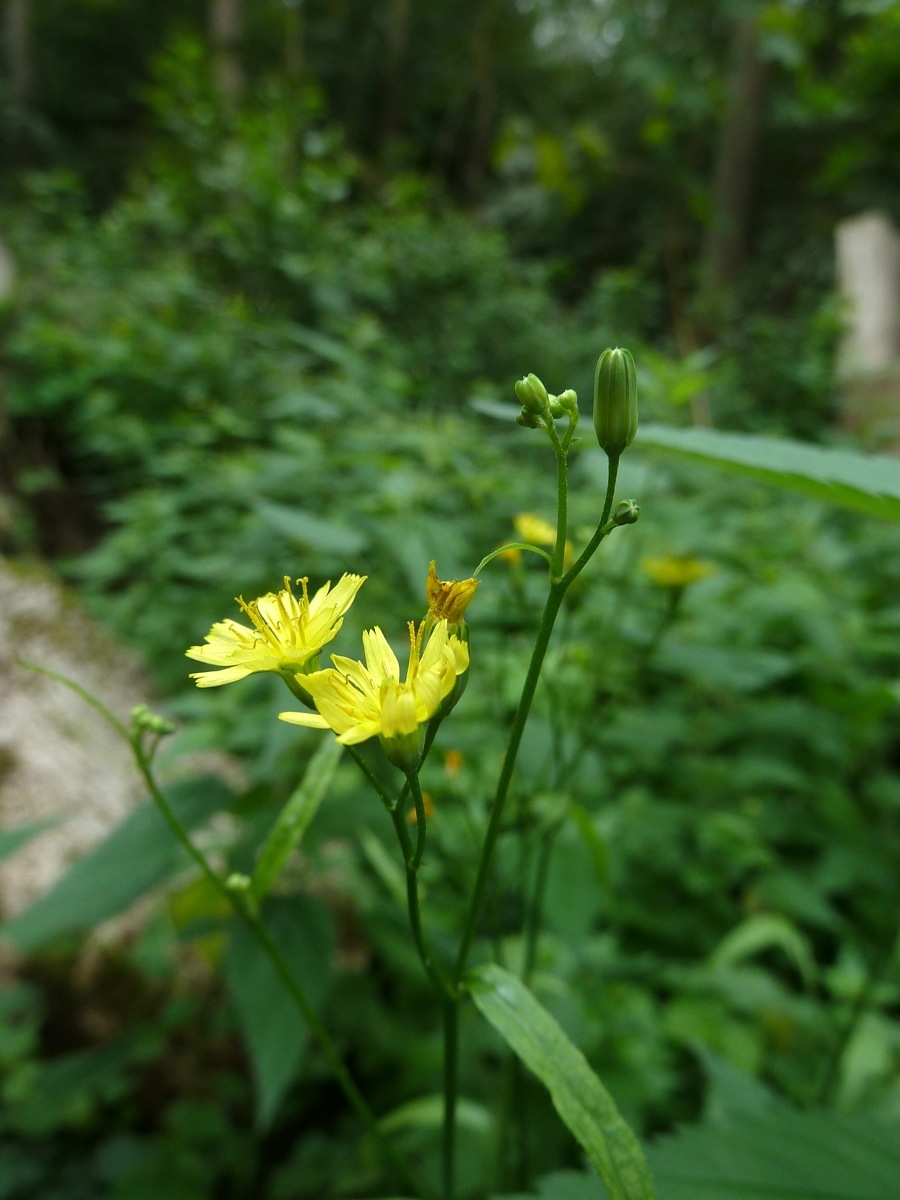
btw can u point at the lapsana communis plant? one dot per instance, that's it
(399, 710)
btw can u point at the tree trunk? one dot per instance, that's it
(17, 51)
(485, 99)
(726, 244)
(293, 41)
(225, 28)
(398, 28)
(17, 36)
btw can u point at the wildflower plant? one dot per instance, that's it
(399, 709)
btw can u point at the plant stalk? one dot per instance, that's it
(263, 938)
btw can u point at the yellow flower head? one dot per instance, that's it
(537, 532)
(534, 529)
(360, 701)
(675, 571)
(288, 632)
(448, 599)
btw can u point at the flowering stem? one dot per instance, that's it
(451, 1058)
(391, 803)
(264, 940)
(548, 618)
(415, 915)
(562, 503)
(558, 588)
(602, 528)
(421, 824)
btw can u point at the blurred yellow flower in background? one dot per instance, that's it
(676, 571)
(534, 529)
(537, 532)
(288, 632)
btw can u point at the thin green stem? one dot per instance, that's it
(451, 1083)
(602, 528)
(507, 547)
(415, 914)
(345, 1081)
(555, 596)
(562, 504)
(536, 908)
(390, 802)
(548, 618)
(85, 695)
(421, 824)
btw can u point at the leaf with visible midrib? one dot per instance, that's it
(867, 483)
(276, 1034)
(581, 1100)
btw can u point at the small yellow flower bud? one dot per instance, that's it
(615, 401)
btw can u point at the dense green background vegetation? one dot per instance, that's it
(270, 296)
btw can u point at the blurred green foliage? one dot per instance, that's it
(268, 340)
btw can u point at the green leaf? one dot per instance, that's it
(595, 843)
(12, 840)
(294, 819)
(305, 529)
(578, 1096)
(385, 867)
(778, 1154)
(764, 931)
(275, 1032)
(137, 856)
(863, 482)
(427, 1112)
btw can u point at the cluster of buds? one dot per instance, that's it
(143, 720)
(615, 403)
(539, 405)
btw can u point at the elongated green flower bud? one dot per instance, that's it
(615, 401)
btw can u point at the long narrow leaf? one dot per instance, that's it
(294, 819)
(139, 854)
(14, 839)
(864, 482)
(581, 1100)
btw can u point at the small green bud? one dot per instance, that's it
(626, 513)
(532, 394)
(529, 419)
(568, 401)
(143, 719)
(615, 401)
(238, 883)
(556, 409)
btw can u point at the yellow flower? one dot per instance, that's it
(453, 761)
(360, 701)
(675, 571)
(288, 632)
(537, 532)
(534, 529)
(448, 599)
